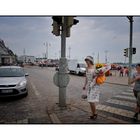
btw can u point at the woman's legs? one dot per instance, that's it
(136, 113)
(137, 95)
(93, 110)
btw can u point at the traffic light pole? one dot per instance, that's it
(61, 78)
(63, 65)
(130, 49)
(63, 38)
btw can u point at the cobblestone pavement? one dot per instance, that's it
(27, 110)
(121, 106)
(117, 102)
(118, 109)
(40, 106)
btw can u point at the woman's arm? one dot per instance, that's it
(135, 79)
(85, 83)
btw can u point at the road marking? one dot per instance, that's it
(35, 89)
(126, 97)
(123, 103)
(54, 118)
(116, 120)
(118, 111)
(129, 90)
(127, 93)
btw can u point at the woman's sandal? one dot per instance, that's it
(135, 117)
(94, 117)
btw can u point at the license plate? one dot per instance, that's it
(7, 91)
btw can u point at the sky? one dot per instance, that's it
(91, 36)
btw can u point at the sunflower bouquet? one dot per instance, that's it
(100, 72)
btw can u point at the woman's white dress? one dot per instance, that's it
(92, 88)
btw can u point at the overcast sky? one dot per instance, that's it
(92, 35)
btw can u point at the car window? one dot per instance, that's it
(78, 66)
(11, 72)
(82, 65)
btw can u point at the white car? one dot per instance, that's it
(76, 67)
(13, 81)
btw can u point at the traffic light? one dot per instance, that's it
(56, 28)
(126, 52)
(57, 22)
(58, 19)
(70, 22)
(134, 50)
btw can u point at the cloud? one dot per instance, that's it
(99, 34)
(90, 35)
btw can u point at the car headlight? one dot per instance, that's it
(22, 83)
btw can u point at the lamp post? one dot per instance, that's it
(69, 52)
(93, 54)
(106, 52)
(47, 45)
(0, 59)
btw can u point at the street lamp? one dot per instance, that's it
(0, 59)
(106, 52)
(47, 49)
(93, 54)
(69, 52)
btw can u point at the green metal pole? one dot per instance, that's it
(130, 49)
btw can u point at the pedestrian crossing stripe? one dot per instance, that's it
(126, 97)
(123, 103)
(129, 90)
(117, 111)
(127, 93)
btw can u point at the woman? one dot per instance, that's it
(92, 87)
(136, 79)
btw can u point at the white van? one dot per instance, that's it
(76, 67)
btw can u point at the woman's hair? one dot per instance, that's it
(88, 59)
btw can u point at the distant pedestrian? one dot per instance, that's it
(92, 87)
(136, 79)
(121, 71)
(126, 72)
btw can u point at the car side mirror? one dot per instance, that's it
(26, 74)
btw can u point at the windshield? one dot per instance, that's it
(82, 65)
(11, 72)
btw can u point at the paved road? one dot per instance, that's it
(116, 102)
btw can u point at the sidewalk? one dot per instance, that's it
(74, 115)
(79, 112)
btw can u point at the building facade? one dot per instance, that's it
(27, 59)
(7, 57)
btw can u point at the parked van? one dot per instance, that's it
(76, 67)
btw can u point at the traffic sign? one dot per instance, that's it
(61, 79)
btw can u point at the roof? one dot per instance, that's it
(6, 49)
(10, 67)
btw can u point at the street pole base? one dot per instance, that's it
(62, 107)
